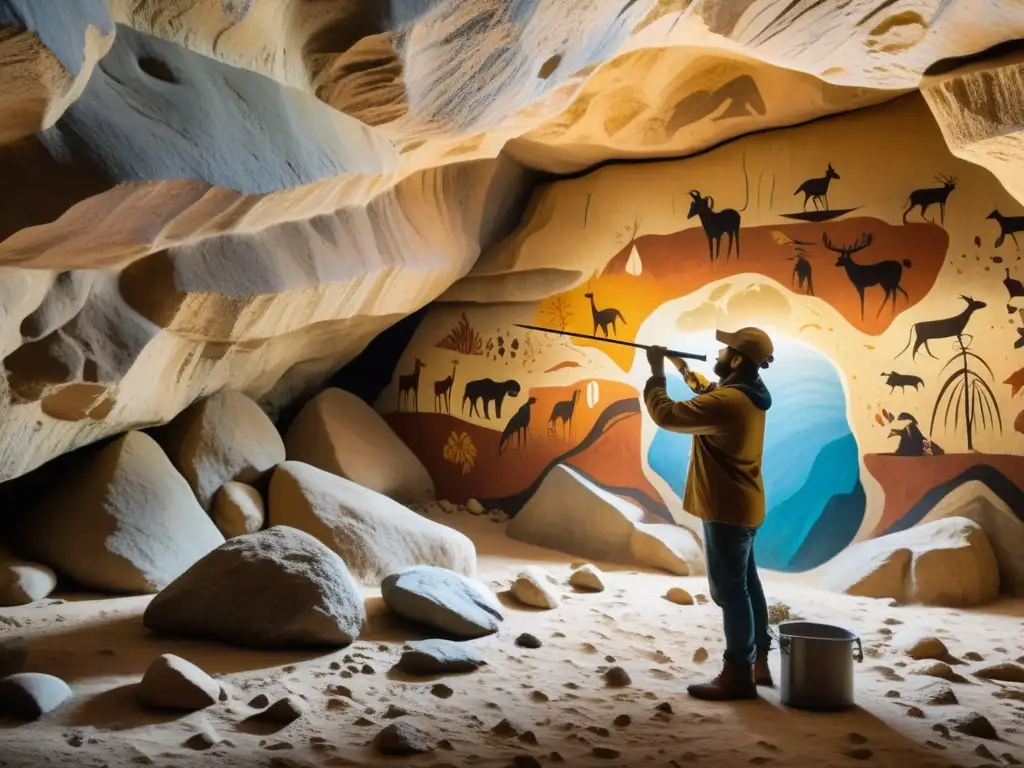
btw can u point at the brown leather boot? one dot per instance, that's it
(762, 674)
(736, 681)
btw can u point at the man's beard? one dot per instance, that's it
(722, 369)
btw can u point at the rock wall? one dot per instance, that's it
(203, 195)
(840, 248)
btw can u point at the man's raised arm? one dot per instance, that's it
(700, 416)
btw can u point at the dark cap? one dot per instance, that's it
(752, 343)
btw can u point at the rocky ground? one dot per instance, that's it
(926, 702)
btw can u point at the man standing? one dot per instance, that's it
(724, 489)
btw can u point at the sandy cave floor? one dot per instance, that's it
(100, 647)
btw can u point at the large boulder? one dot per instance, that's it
(123, 520)
(30, 695)
(23, 582)
(570, 514)
(276, 588)
(339, 433)
(224, 437)
(373, 534)
(948, 562)
(444, 600)
(975, 501)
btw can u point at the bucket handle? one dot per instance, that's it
(784, 642)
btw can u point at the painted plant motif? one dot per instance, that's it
(460, 450)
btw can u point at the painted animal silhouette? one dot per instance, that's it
(563, 412)
(929, 196)
(1008, 225)
(409, 387)
(944, 328)
(902, 381)
(817, 189)
(518, 426)
(716, 224)
(886, 274)
(443, 391)
(803, 274)
(488, 391)
(1015, 288)
(604, 317)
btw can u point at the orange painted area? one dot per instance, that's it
(473, 468)
(906, 479)
(677, 264)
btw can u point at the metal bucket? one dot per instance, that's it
(817, 665)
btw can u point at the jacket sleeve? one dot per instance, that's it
(703, 415)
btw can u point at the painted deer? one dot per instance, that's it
(817, 189)
(944, 328)
(409, 384)
(716, 224)
(563, 412)
(1008, 225)
(887, 274)
(443, 391)
(604, 317)
(924, 198)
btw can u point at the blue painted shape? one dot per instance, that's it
(810, 458)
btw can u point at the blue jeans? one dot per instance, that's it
(736, 588)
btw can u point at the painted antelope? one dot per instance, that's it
(817, 189)
(716, 224)
(924, 198)
(944, 328)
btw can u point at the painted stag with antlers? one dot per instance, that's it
(887, 274)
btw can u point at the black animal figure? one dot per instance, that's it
(1019, 343)
(604, 317)
(443, 391)
(1014, 288)
(901, 380)
(924, 198)
(563, 412)
(489, 391)
(803, 274)
(945, 328)
(409, 384)
(1008, 225)
(887, 274)
(817, 189)
(912, 439)
(518, 425)
(716, 224)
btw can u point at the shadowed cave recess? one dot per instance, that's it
(284, 481)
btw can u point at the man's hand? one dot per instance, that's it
(680, 364)
(656, 358)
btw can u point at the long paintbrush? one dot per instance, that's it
(669, 353)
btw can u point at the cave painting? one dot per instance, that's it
(895, 372)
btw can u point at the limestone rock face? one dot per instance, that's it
(276, 588)
(339, 433)
(222, 438)
(373, 534)
(123, 520)
(572, 515)
(948, 562)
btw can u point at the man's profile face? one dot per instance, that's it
(724, 364)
